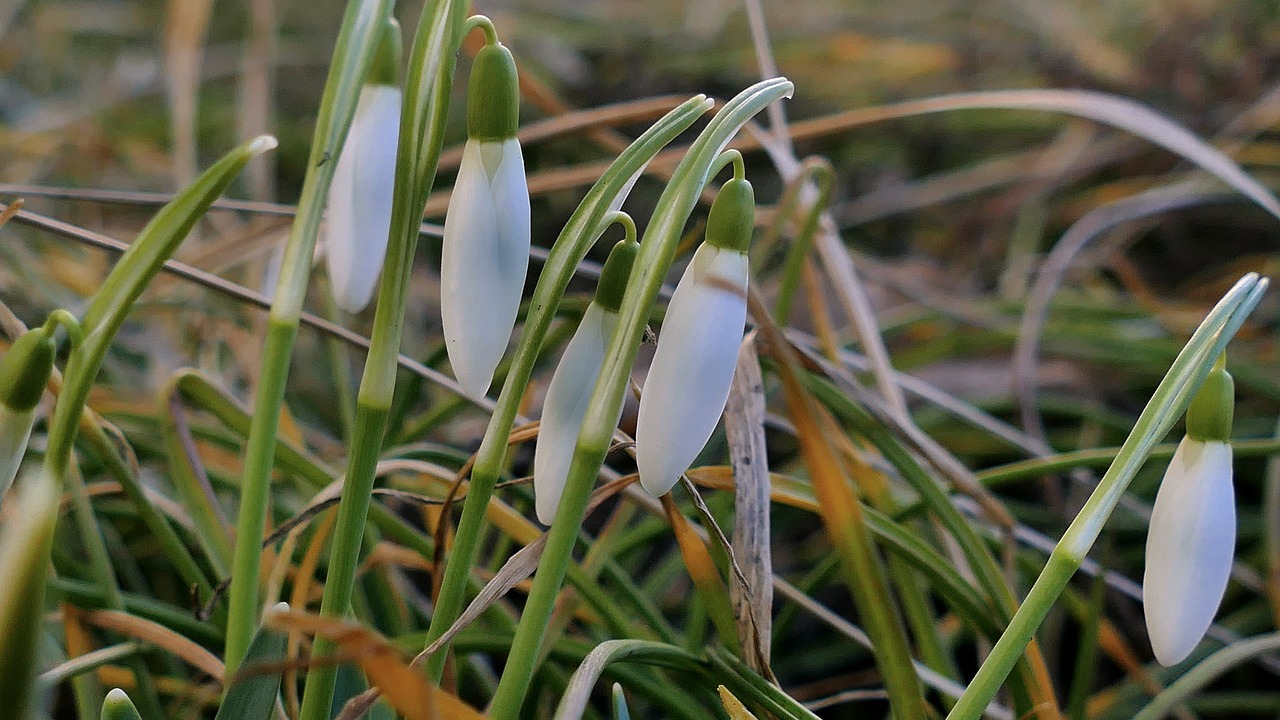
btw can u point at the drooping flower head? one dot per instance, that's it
(575, 377)
(485, 252)
(364, 180)
(1191, 539)
(24, 372)
(689, 379)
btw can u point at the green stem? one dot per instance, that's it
(1167, 403)
(242, 596)
(586, 224)
(353, 55)
(650, 270)
(344, 556)
(421, 132)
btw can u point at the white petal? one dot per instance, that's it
(567, 398)
(688, 382)
(360, 198)
(15, 431)
(480, 289)
(1189, 548)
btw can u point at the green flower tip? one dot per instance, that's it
(493, 96)
(386, 63)
(1210, 413)
(616, 272)
(25, 369)
(732, 219)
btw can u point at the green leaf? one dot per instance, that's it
(254, 689)
(25, 545)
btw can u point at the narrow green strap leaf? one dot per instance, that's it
(130, 276)
(252, 692)
(1206, 672)
(358, 41)
(25, 544)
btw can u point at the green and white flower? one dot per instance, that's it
(575, 377)
(359, 218)
(1191, 540)
(688, 382)
(485, 252)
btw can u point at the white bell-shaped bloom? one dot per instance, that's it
(484, 259)
(1190, 545)
(360, 197)
(15, 431)
(692, 369)
(566, 405)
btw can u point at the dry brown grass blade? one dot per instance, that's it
(588, 120)
(238, 292)
(160, 636)
(1054, 269)
(404, 687)
(733, 706)
(704, 573)
(518, 568)
(183, 48)
(299, 598)
(257, 89)
(752, 595)
(10, 210)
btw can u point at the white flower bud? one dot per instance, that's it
(689, 379)
(1190, 545)
(568, 396)
(360, 198)
(484, 259)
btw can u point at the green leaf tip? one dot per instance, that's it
(493, 95)
(118, 706)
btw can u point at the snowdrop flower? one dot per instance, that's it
(1193, 527)
(688, 382)
(24, 373)
(485, 253)
(364, 183)
(575, 377)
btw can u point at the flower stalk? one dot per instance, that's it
(358, 41)
(485, 252)
(1191, 540)
(422, 122)
(584, 227)
(1171, 396)
(656, 251)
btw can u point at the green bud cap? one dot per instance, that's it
(389, 58)
(732, 219)
(616, 272)
(25, 369)
(1209, 415)
(493, 96)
